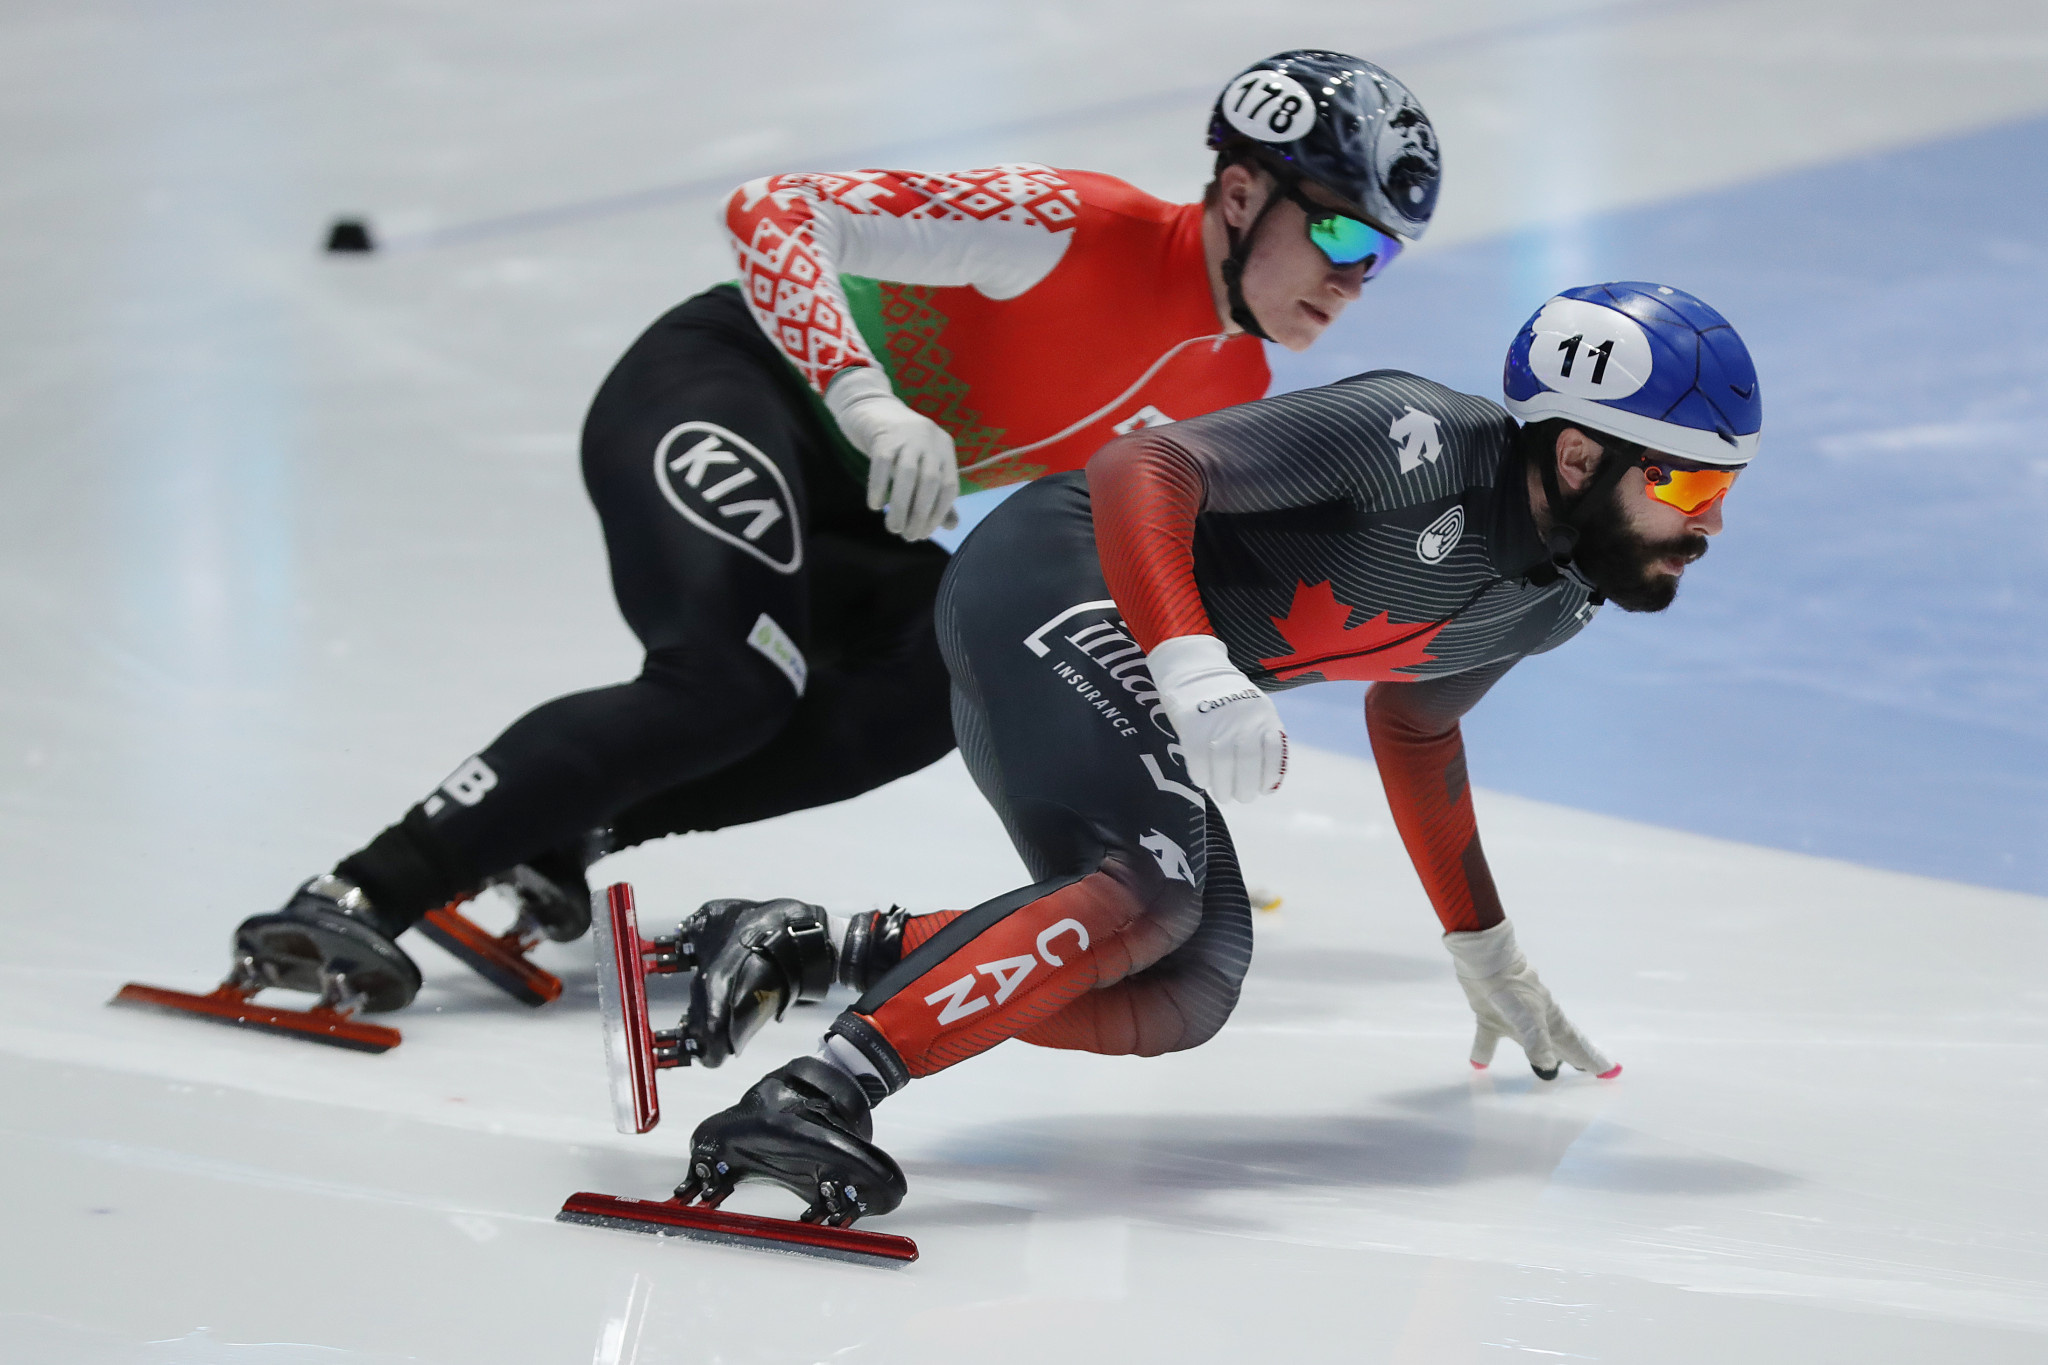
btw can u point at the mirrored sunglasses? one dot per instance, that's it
(1689, 488)
(1344, 240)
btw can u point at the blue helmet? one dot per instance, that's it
(1645, 362)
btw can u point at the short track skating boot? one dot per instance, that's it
(753, 959)
(552, 900)
(807, 1127)
(328, 940)
(551, 890)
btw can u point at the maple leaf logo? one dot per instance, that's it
(1323, 643)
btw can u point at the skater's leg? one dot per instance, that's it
(1057, 719)
(1059, 725)
(876, 707)
(696, 452)
(1182, 999)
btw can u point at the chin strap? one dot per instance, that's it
(1233, 264)
(1563, 540)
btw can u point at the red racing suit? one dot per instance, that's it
(1034, 314)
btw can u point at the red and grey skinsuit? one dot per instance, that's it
(1378, 529)
(790, 657)
(1032, 313)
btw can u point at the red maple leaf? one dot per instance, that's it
(1323, 643)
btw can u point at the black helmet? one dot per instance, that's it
(1341, 122)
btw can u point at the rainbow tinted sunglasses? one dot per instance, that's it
(1343, 239)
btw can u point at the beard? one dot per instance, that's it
(1623, 564)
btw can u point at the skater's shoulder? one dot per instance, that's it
(1107, 195)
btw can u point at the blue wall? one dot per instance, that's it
(1860, 666)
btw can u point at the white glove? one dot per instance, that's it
(911, 468)
(1510, 1001)
(1230, 733)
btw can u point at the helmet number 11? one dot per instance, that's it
(1570, 347)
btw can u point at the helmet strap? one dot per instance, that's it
(1616, 458)
(1240, 250)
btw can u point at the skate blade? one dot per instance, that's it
(497, 958)
(673, 1218)
(622, 1004)
(226, 1005)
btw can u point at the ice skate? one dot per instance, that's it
(807, 1127)
(751, 959)
(553, 904)
(326, 942)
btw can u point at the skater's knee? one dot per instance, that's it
(741, 691)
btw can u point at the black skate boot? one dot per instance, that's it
(807, 1127)
(552, 901)
(752, 959)
(550, 889)
(327, 940)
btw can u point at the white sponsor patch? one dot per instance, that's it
(1269, 106)
(774, 645)
(1589, 351)
(1441, 536)
(1420, 435)
(724, 486)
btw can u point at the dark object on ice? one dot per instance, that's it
(672, 1217)
(808, 1127)
(350, 234)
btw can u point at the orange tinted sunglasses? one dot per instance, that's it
(1688, 488)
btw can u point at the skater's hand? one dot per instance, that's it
(911, 467)
(1509, 1001)
(1230, 732)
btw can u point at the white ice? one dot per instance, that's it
(283, 537)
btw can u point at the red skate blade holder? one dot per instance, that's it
(673, 1218)
(230, 1003)
(500, 959)
(633, 1048)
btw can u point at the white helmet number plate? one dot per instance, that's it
(1589, 351)
(1269, 106)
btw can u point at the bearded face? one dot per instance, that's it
(1630, 568)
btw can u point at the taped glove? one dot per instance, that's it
(1510, 1001)
(911, 467)
(1230, 732)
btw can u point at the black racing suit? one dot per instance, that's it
(1376, 528)
(790, 661)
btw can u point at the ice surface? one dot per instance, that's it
(283, 537)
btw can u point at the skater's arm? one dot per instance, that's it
(1309, 449)
(1145, 491)
(1000, 230)
(1420, 751)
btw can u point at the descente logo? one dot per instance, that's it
(724, 486)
